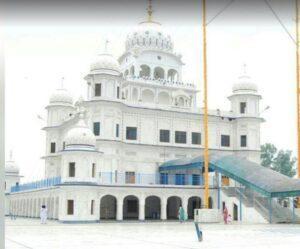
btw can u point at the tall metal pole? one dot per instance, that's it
(205, 119)
(298, 85)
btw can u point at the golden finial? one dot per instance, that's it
(150, 11)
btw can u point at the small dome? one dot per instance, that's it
(11, 166)
(244, 84)
(80, 135)
(106, 61)
(149, 35)
(61, 96)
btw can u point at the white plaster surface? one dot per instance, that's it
(28, 233)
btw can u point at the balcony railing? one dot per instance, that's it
(131, 178)
(45, 183)
(153, 179)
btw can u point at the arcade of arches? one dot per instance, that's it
(152, 207)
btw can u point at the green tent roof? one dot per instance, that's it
(263, 180)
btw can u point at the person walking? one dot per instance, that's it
(181, 214)
(225, 214)
(43, 214)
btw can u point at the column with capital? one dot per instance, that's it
(185, 205)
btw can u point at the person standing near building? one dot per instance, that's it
(225, 214)
(43, 214)
(181, 214)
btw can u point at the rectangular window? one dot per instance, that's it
(196, 179)
(97, 90)
(243, 141)
(71, 169)
(164, 178)
(96, 128)
(164, 136)
(243, 106)
(93, 170)
(118, 92)
(180, 137)
(129, 177)
(179, 179)
(70, 208)
(92, 207)
(117, 130)
(53, 147)
(131, 133)
(225, 140)
(196, 138)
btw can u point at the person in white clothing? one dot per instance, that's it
(43, 214)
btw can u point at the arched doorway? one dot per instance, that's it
(152, 208)
(173, 204)
(108, 207)
(194, 203)
(130, 208)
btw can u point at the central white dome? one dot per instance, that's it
(149, 35)
(106, 61)
(80, 135)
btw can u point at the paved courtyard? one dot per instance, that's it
(28, 233)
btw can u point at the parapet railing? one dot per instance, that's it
(153, 179)
(45, 183)
(160, 81)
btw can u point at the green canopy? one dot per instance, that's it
(263, 180)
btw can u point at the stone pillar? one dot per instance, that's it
(163, 209)
(185, 204)
(120, 208)
(142, 209)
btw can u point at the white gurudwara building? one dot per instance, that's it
(107, 156)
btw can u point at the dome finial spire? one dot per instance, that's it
(245, 68)
(62, 82)
(149, 10)
(106, 46)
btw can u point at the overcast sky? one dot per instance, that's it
(45, 43)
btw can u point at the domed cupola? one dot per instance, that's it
(61, 97)
(11, 167)
(149, 35)
(244, 85)
(80, 137)
(105, 63)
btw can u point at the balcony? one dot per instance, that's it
(163, 82)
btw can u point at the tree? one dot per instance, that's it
(280, 161)
(284, 163)
(268, 153)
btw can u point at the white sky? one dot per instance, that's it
(38, 56)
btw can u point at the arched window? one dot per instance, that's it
(147, 96)
(180, 101)
(172, 75)
(159, 73)
(145, 71)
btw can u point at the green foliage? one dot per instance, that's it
(268, 153)
(280, 161)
